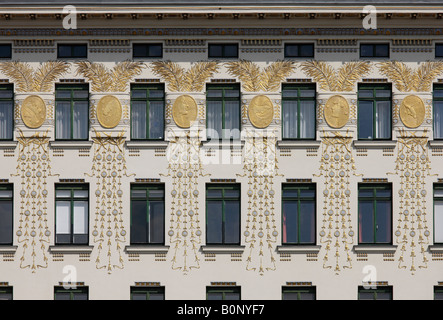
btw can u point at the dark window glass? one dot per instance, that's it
(223, 50)
(374, 50)
(374, 112)
(147, 50)
(298, 293)
(6, 214)
(6, 112)
(5, 293)
(299, 50)
(75, 51)
(223, 293)
(439, 50)
(5, 51)
(374, 214)
(438, 293)
(147, 112)
(438, 111)
(72, 112)
(379, 293)
(438, 213)
(147, 214)
(223, 214)
(80, 293)
(71, 214)
(151, 293)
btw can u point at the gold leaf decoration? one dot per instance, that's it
(196, 76)
(275, 74)
(104, 80)
(26, 79)
(399, 73)
(248, 73)
(322, 73)
(426, 74)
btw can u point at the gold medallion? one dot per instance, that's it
(33, 112)
(412, 111)
(336, 111)
(261, 111)
(109, 112)
(184, 111)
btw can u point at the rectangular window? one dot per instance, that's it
(223, 50)
(439, 50)
(5, 51)
(299, 116)
(379, 293)
(147, 50)
(147, 112)
(374, 214)
(72, 51)
(374, 112)
(147, 293)
(5, 293)
(71, 112)
(299, 50)
(223, 214)
(374, 50)
(71, 214)
(298, 214)
(80, 293)
(223, 112)
(438, 213)
(298, 293)
(438, 292)
(223, 293)
(437, 100)
(147, 214)
(6, 112)
(6, 214)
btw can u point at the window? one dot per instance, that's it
(223, 214)
(298, 104)
(150, 293)
(299, 50)
(298, 205)
(223, 293)
(439, 50)
(5, 51)
(438, 292)
(223, 50)
(223, 112)
(71, 214)
(147, 214)
(73, 51)
(80, 293)
(298, 293)
(374, 112)
(374, 50)
(6, 112)
(6, 214)
(5, 293)
(147, 112)
(72, 113)
(438, 111)
(378, 293)
(438, 213)
(147, 50)
(374, 214)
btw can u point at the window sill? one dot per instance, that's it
(71, 144)
(373, 144)
(299, 144)
(7, 249)
(8, 144)
(70, 249)
(146, 144)
(436, 248)
(214, 144)
(298, 249)
(223, 249)
(436, 143)
(374, 248)
(147, 249)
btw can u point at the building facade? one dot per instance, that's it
(255, 151)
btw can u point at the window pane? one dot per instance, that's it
(215, 296)
(6, 194)
(214, 222)
(215, 93)
(438, 119)
(438, 221)
(384, 296)
(366, 295)
(383, 223)
(365, 93)
(232, 193)
(63, 193)
(80, 296)
(439, 50)
(232, 120)
(139, 231)
(290, 222)
(366, 50)
(307, 296)
(64, 51)
(232, 93)
(366, 221)
(365, 120)
(307, 119)
(5, 51)
(232, 222)
(383, 119)
(307, 93)
(81, 193)
(63, 94)
(138, 120)
(138, 94)
(290, 119)
(307, 222)
(80, 51)
(214, 193)
(214, 120)
(157, 296)
(139, 296)
(366, 193)
(81, 119)
(232, 296)
(306, 50)
(6, 120)
(63, 296)
(215, 51)
(230, 51)
(290, 93)
(156, 122)
(63, 122)
(81, 217)
(382, 50)
(6, 222)
(155, 50)
(382, 93)
(290, 295)
(63, 218)
(291, 50)
(156, 221)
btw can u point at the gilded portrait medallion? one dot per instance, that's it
(412, 111)
(184, 111)
(261, 111)
(336, 111)
(33, 112)
(109, 112)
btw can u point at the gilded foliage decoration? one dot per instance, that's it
(407, 79)
(104, 79)
(181, 80)
(28, 79)
(330, 79)
(254, 79)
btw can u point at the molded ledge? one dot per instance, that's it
(299, 144)
(8, 144)
(147, 144)
(147, 249)
(373, 248)
(222, 249)
(375, 144)
(298, 249)
(71, 249)
(436, 248)
(8, 249)
(71, 144)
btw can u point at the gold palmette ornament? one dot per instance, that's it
(412, 111)
(261, 111)
(184, 111)
(33, 112)
(109, 112)
(336, 111)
